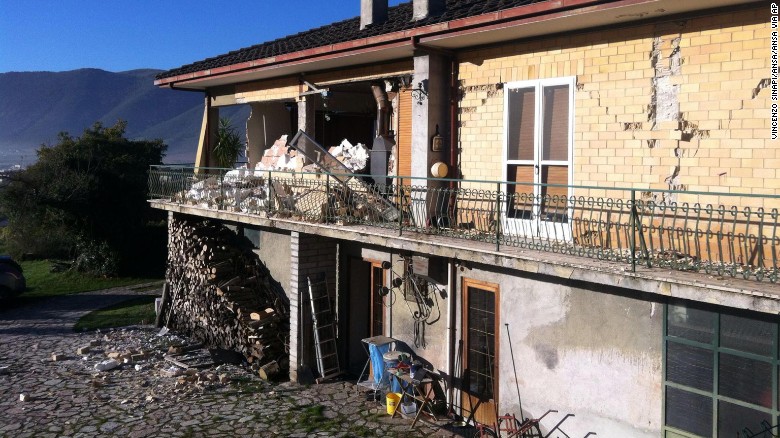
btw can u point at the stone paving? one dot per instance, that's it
(40, 397)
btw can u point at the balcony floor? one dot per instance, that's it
(697, 286)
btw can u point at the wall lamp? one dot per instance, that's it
(420, 93)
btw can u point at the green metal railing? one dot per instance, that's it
(730, 235)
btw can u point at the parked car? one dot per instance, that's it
(12, 281)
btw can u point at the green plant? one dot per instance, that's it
(229, 145)
(85, 195)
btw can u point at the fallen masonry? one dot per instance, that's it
(153, 397)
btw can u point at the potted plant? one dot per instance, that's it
(229, 145)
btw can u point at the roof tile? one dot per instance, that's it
(399, 19)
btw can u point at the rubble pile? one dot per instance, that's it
(281, 157)
(355, 157)
(241, 190)
(157, 357)
(222, 295)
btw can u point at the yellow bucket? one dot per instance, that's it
(393, 398)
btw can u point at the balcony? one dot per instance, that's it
(720, 241)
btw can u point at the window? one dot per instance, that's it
(720, 373)
(538, 143)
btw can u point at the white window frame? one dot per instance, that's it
(535, 226)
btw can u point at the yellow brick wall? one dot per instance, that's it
(720, 142)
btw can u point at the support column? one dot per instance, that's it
(306, 106)
(309, 255)
(208, 135)
(431, 74)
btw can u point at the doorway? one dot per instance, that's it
(480, 325)
(366, 312)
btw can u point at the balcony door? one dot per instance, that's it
(538, 146)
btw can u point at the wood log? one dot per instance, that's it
(259, 316)
(216, 282)
(268, 370)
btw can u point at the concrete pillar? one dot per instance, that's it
(306, 106)
(372, 12)
(431, 73)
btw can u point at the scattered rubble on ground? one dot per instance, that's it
(142, 356)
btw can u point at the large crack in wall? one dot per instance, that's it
(664, 109)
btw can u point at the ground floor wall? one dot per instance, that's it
(611, 361)
(579, 349)
(576, 348)
(274, 249)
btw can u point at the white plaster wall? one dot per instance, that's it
(592, 354)
(402, 326)
(267, 122)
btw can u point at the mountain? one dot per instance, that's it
(36, 106)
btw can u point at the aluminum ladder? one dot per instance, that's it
(324, 328)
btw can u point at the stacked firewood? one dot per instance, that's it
(220, 293)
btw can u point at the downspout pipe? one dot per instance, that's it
(453, 122)
(382, 106)
(451, 320)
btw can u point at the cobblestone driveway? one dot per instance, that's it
(69, 398)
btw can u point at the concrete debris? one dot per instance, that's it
(355, 157)
(278, 157)
(24, 397)
(107, 365)
(243, 190)
(56, 357)
(173, 371)
(83, 350)
(281, 157)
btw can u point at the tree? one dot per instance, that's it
(229, 144)
(85, 199)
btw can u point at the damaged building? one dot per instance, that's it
(567, 205)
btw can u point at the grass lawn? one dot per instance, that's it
(136, 311)
(42, 283)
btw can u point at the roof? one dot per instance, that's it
(399, 18)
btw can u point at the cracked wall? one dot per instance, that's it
(680, 105)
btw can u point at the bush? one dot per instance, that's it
(85, 200)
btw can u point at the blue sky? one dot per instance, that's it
(59, 35)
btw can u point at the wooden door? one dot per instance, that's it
(377, 303)
(480, 357)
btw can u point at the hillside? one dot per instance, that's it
(36, 106)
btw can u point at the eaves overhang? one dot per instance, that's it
(545, 18)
